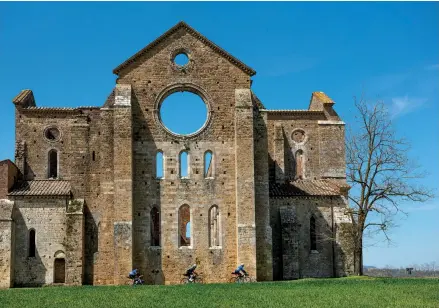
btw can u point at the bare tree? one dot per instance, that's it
(381, 175)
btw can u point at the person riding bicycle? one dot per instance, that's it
(240, 271)
(133, 274)
(191, 273)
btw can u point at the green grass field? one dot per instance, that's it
(342, 292)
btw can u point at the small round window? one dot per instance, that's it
(298, 136)
(181, 59)
(52, 134)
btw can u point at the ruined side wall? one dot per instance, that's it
(332, 149)
(48, 217)
(29, 128)
(152, 76)
(282, 147)
(292, 255)
(7, 241)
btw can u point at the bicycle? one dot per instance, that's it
(136, 281)
(197, 279)
(237, 278)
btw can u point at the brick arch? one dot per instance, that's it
(53, 163)
(184, 217)
(214, 226)
(155, 226)
(299, 159)
(208, 167)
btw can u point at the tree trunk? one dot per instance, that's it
(358, 256)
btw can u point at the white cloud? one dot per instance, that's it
(433, 67)
(404, 105)
(423, 207)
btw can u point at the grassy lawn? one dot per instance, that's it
(342, 292)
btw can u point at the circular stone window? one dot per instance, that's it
(52, 133)
(181, 59)
(298, 136)
(183, 113)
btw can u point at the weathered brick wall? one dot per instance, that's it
(282, 147)
(29, 127)
(47, 216)
(292, 255)
(8, 176)
(7, 242)
(332, 149)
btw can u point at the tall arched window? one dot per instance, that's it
(312, 233)
(184, 225)
(183, 159)
(159, 165)
(299, 164)
(155, 227)
(208, 164)
(32, 243)
(214, 226)
(53, 164)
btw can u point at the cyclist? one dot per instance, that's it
(133, 274)
(191, 273)
(240, 271)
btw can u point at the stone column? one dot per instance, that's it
(6, 244)
(279, 154)
(103, 260)
(75, 242)
(245, 180)
(264, 256)
(290, 242)
(79, 158)
(123, 182)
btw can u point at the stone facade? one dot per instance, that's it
(87, 205)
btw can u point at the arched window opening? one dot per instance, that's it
(32, 243)
(159, 165)
(184, 218)
(214, 226)
(93, 156)
(208, 163)
(184, 170)
(59, 271)
(155, 227)
(299, 164)
(312, 232)
(53, 164)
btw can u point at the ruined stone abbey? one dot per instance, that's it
(84, 201)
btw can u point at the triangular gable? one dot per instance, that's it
(183, 25)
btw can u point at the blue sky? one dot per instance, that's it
(65, 53)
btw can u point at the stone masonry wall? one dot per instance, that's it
(282, 153)
(8, 176)
(47, 216)
(7, 241)
(317, 263)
